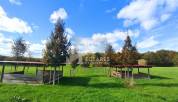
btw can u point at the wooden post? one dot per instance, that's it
(50, 75)
(132, 73)
(36, 70)
(24, 68)
(121, 73)
(54, 75)
(58, 75)
(28, 68)
(128, 72)
(15, 67)
(125, 73)
(62, 69)
(2, 73)
(148, 73)
(43, 72)
(11, 67)
(110, 71)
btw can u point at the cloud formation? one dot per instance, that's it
(148, 43)
(70, 33)
(13, 24)
(16, 2)
(97, 42)
(5, 45)
(147, 13)
(60, 13)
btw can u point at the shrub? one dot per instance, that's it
(129, 83)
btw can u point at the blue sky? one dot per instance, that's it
(152, 24)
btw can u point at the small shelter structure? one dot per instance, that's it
(126, 71)
(41, 75)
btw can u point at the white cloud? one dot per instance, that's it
(98, 40)
(70, 33)
(60, 13)
(148, 43)
(16, 2)
(13, 24)
(114, 36)
(5, 45)
(148, 13)
(34, 48)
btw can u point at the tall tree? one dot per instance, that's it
(129, 52)
(74, 58)
(57, 47)
(19, 47)
(109, 51)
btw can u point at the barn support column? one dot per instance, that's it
(148, 73)
(54, 76)
(2, 73)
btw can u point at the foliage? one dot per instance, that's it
(57, 47)
(19, 47)
(129, 52)
(85, 62)
(175, 59)
(109, 51)
(74, 58)
(129, 83)
(161, 58)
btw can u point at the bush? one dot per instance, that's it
(129, 83)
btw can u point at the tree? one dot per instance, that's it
(151, 58)
(130, 54)
(74, 59)
(160, 58)
(19, 47)
(57, 46)
(87, 59)
(175, 60)
(109, 51)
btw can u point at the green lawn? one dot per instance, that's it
(92, 85)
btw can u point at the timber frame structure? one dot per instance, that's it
(126, 71)
(54, 72)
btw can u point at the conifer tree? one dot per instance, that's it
(129, 52)
(109, 51)
(57, 47)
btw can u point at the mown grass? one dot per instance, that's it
(93, 85)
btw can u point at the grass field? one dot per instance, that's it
(92, 85)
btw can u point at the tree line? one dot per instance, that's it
(58, 48)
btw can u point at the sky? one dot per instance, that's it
(90, 24)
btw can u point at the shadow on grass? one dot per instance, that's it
(84, 82)
(160, 84)
(75, 81)
(159, 77)
(151, 96)
(96, 76)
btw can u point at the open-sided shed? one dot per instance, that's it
(41, 76)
